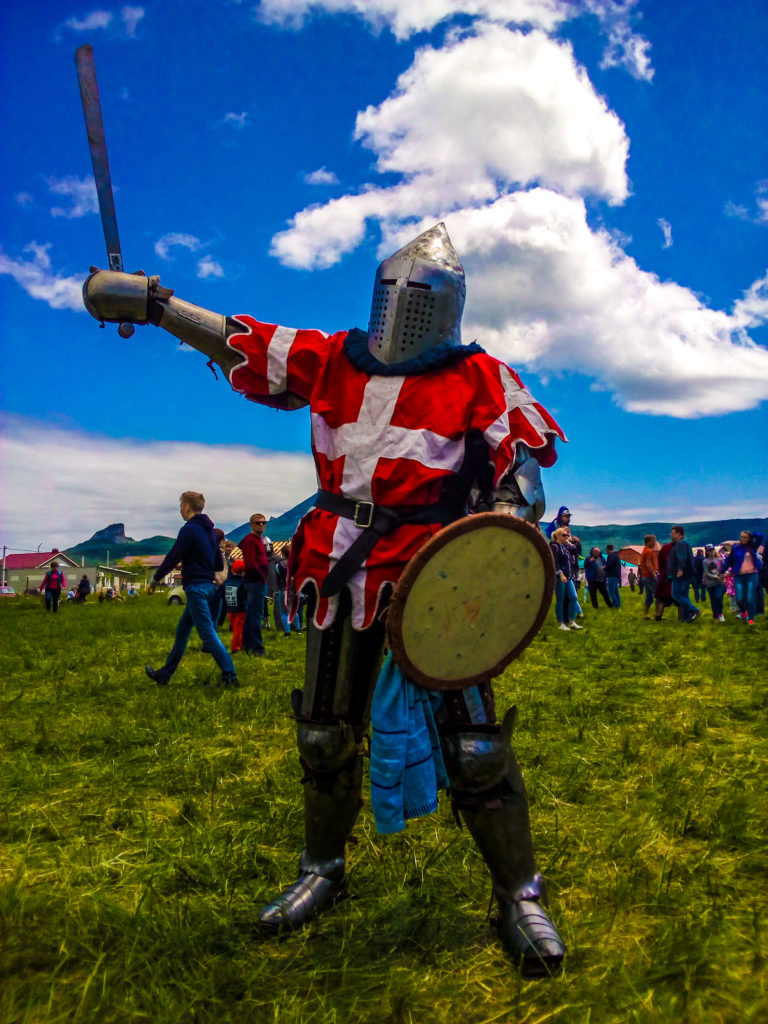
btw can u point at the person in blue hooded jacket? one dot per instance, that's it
(745, 562)
(197, 548)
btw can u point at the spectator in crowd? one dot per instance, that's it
(573, 544)
(235, 599)
(712, 575)
(663, 582)
(594, 575)
(649, 571)
(730, 589)
(699, 589)
(71, 594)
(198, 551)
(83, 589)
(681, 572)
(613, 575)
(564, 607)
(563, 518)
(281, 612)
(255, 578)
(218, 609)
(53, 584)
(746, 564)
(632, 579)
(231, 553)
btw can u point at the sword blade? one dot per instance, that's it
(89, 94)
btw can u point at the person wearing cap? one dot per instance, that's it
(235, 601)
(53, 584)
(712, 575)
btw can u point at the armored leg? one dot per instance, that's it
(488, 791)
(332, 717)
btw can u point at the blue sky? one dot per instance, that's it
(600, 165)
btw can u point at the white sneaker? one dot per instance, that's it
(720, 618)
(574, 625)
(563, 626)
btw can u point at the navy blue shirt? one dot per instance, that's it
(198, 551)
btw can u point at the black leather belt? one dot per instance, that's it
(376, 521)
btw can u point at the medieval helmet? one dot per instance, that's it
(418, 298)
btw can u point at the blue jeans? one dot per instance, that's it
(197, 613)
(680, 596)
(716, 599)
(574, 596)
(612, 586)
(254, 613)
(563, 601)
(280, 610)
(745, 585)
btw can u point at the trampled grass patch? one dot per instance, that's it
(141, 828)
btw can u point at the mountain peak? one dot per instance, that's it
(115, 533)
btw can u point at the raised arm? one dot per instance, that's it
(137, 299)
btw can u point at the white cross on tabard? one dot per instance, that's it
(373, 436)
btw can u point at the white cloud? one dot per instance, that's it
(752, 309)
(465, 123)
(625, 47)
(89, 23)
(405, 17)
(235, 121)
(545, 291)
(99, 19)
(24, 199)
(131, 17)
(38, 279)
(735, 210)
(175, 239)
(756, 216)
(81, 193)
(207, 267)
(666, 230)
(321, 176)
(101, 480)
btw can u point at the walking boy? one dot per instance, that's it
(197, 548)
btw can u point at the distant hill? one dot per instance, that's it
(279, 527)
(112, 543)
(697, 534)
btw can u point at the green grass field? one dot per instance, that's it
(141, 828)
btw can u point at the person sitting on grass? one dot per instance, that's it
(197, 548)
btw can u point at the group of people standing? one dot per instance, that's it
(602, 575)
(668, 572)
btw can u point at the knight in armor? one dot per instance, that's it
(411, 429)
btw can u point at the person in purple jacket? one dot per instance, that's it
(197, 548)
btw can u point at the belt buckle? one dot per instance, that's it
(364, 506)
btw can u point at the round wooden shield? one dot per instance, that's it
(470, 601)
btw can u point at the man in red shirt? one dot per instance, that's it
(255, 581)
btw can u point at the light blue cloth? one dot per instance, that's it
(407, 767)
